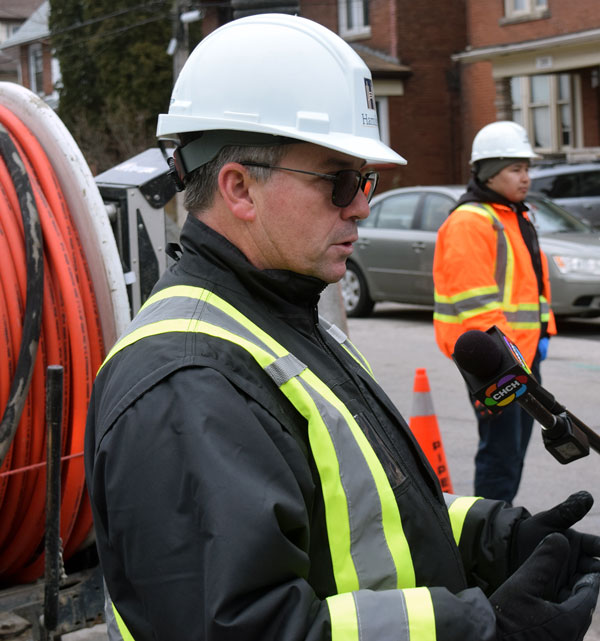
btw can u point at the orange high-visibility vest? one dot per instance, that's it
(483, 276)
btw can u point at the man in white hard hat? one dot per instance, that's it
(250, 480)
(489, 270)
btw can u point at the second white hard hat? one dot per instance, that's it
(281, 75)
(501, 139)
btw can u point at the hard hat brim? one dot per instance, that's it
(170, 126)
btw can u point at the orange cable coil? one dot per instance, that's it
(70, 336)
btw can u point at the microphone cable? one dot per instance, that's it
(47, 301)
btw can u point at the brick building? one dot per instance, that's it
(29, 49)
(408, 47)
(536, 62)
(442, 69)
(13, 14)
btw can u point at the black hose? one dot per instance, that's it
(32, 322)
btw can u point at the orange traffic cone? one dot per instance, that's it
(424, 426)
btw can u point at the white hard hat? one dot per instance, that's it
(502, 139)
(281, 75)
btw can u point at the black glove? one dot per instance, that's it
(584, 547)
(537, 604)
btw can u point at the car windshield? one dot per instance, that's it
(549, 218)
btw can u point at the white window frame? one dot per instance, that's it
(35, 55)
(357, 26)
(531, 8)
(526, 108)
(383, 118)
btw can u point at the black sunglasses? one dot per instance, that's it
(346, 182)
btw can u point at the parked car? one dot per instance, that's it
(393, 257)
(574, 186)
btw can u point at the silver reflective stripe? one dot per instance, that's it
(466, 304)
(284, 368)
(450, 498)
(373, 561)
(373, 622)
(167, 309)
(422, 404)
(501, 243)
(523, 316)
(112, 627)
(340, 337)
(333, 330)
(176, 307)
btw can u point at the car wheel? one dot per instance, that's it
(355, 293)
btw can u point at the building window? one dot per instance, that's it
(523, 8)
(544, 105)
(354, 17)
(36, 69)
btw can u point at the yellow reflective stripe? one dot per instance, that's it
(390, 514)
(121, 625)
(200, 293)
(183, 325)
(476, 208)
(532, 326)
(499, 227)
(458, 513)
(178, 325)
(364, 363)
(510, 257)
(461, 316)
(337, 510)
(510, 271)
(469, 293)
(187, 291)
(336, 505)
(342, 614)
(421, 616)
(522, 307)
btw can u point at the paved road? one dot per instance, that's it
(398, 339)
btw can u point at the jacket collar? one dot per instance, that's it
(207, 253)
(477, 192)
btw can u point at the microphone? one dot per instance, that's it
(497, 375)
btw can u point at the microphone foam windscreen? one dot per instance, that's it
(477, 353)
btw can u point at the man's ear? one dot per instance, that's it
(234, 187)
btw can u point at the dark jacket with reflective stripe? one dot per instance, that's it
(207, 504)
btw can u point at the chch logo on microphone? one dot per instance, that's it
(506, 390)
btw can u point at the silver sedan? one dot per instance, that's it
(393, 257)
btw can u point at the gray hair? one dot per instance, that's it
(201, 185)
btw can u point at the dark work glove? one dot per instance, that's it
(481, 410)
(537, 604)
(584, 547)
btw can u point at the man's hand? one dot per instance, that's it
(583, 547)
(537, 603)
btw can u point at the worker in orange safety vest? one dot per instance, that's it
(489, 270)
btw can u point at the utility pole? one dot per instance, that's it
(179, 49)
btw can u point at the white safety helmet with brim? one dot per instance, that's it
(501, 139)
(269, 78)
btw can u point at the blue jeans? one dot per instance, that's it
(503, 440)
